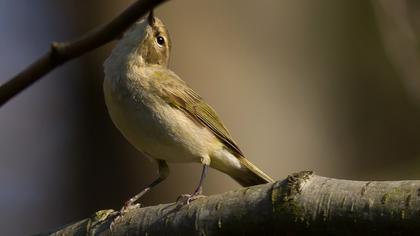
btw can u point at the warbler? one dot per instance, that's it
(162, 116)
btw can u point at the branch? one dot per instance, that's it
(61, 52)
(302, 204)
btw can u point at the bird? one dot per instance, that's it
(161, 116)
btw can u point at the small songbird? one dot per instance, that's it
(161, 116)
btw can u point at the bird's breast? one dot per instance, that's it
(155, 127)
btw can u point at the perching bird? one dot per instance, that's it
(161, 116)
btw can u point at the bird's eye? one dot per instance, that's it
(160, 40)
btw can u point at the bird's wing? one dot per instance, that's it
(180, 96)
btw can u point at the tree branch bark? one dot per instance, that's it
(302, 204)
(61, 52)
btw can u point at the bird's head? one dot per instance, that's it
(147, 42)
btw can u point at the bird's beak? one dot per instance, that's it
(151, 18)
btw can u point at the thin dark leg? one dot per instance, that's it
(163, 174)
(199, 188)
(187, 198)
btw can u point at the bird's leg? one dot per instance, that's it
(199, 188)
(187, 198)
(163, 174)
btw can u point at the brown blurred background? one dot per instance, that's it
(330, 86)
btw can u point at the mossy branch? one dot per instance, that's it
(61, 52)
(302, 204)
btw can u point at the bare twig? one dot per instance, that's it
(302, 204)
(61, 52)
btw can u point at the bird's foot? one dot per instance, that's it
(186, 199)
(119, 214)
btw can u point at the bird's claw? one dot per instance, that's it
(186, 199)
(119, 214)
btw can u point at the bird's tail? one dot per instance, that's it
(250, 174)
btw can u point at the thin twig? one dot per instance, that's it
(61, 52)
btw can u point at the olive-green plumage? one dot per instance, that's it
(160, 115)
(195, 107)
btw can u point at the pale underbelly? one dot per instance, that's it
(165, 133)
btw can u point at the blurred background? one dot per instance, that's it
(330, 86)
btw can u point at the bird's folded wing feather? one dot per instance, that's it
(182, 97)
